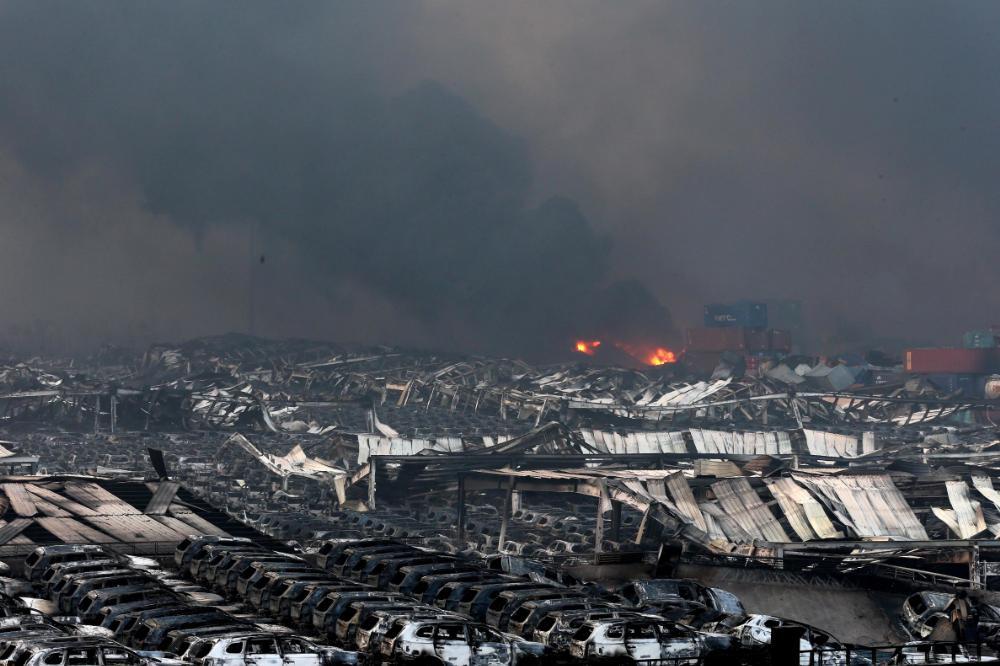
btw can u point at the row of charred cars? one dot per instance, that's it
(391, 602)
(377, 601)
(114, 601)
(371, 601)
(544, 531)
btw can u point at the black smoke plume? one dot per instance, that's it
(246, 119)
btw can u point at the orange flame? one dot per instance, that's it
(587, 347)
(661, 356)
(648, 355)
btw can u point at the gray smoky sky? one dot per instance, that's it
(495, 176)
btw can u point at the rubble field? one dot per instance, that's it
(234, 500)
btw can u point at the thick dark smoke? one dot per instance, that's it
(227, 116)
(397, 161)
(839, 153)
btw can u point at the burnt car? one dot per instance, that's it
(56, 572)
(556, 629)
(406, 578)
(90, 606)
(270, 583)
(228, 578)
(642, 639)
(506, 602)
(73, 650)
(43, 557)
(372, 629)
(72, 589)
(151, 634)
(526, 617)
(348, 559)
(927, 616)
(815, 646)
(329, 554)
(204, 563)
(327, 612)
(427, 588)
(188, 548)
(257, 570)
(453, 642)
(476, 599)
(356, 612)
(678, 599)
(285, 592)
(262, 649)
(109, 614)
(384, 572)
(123, 625)
(301, 611)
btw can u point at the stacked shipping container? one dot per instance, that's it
(737, 327)
(964, 371)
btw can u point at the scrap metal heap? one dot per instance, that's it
(800, 478)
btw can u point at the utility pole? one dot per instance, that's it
(252, 295)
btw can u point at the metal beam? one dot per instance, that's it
(508, 502)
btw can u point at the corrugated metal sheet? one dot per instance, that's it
(984, 485)
(869, 504)
(689, 394)
(966, 517)
(716, 468)
(377, 445)
(136, 527)
(635, 442)
(50, 509)
(834, 445)
(806, 516)
(100, 500)
(741, 443)
(684, 500)
(176, 524)
(162, 498)
(63, 502)
(71, 530)
(199, 524)
(742, 503)
(13, 529)
(723, 526)
(20, 501)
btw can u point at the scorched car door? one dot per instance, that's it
(641, 641)
(262, 652)
(451, 645)
(296, 652)
(489, 647)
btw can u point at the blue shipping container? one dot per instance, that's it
(745, 314)
(968, 386)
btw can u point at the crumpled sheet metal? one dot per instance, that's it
(294, 463)
(869, 504)
(295, 385)
(635, 442)
(742, 504)
(838, 445)
(965, 518)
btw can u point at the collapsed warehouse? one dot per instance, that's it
(545, 511)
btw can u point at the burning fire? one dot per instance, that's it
(660, 356)
(647, 355)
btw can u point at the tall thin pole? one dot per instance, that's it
(252, 295)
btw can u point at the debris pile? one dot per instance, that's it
(544, 511)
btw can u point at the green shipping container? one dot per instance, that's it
(979, 340)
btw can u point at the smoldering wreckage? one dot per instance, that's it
(235, 500)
